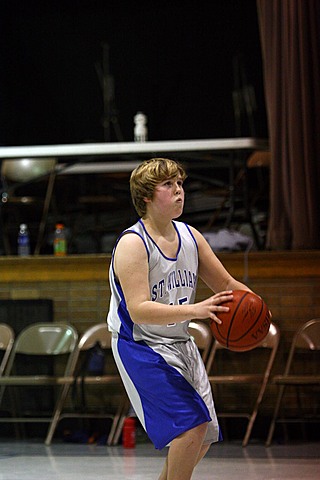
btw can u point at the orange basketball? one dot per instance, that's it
(245, 325)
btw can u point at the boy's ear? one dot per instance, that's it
(147, 200)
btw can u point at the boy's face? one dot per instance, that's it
(168, 197)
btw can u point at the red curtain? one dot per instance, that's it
(290, 47)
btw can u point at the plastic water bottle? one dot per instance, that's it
(140, 127)
(60, 241)
(129, 433)
(23, 241)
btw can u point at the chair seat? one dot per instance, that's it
(242, 378)
(103, 379)
(296, 379)
(31, 380)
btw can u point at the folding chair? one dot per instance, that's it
(201, 333)
(238, 369)
(6, 344)
(39, 352)
(110, 378)
(302, 372)
(7, 337)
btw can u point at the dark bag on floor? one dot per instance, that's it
(92, 365)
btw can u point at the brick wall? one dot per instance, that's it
(80, 303)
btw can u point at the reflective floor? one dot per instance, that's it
(32, 460)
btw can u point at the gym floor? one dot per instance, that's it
(29, 460)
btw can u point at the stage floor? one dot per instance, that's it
(225, 461)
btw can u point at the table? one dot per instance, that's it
(124, 156)
(130, 150)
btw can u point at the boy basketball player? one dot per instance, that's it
(153, 279)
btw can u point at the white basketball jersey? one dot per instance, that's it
(172, 281)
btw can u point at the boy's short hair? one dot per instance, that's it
(146, 176)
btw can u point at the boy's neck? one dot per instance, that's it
(158, 227)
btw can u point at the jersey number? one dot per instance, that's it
(181, 301)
